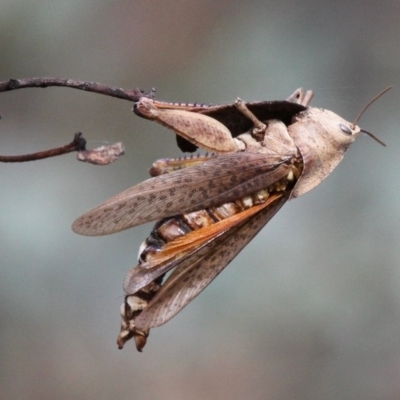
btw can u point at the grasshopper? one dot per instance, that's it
(209, 207)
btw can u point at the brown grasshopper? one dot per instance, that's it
(209, 207)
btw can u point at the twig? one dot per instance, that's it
(100, 156)
(125, 94)
(78, 144)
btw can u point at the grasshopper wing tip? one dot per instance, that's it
(90, 225)
(85, 226)
(79, 227)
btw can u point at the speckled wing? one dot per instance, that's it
(196, 271)
(221, 179)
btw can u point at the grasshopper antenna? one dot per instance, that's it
(365, 108)
(374, 137)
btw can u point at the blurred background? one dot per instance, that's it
(309, 310)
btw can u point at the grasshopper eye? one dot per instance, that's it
(345, 129)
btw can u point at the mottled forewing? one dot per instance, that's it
(195, 272)
(222, 179)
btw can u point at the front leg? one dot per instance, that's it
(199, 129)
(271, 136)
(259, 128)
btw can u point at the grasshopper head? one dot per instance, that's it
(338, 131)
(322, 138)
